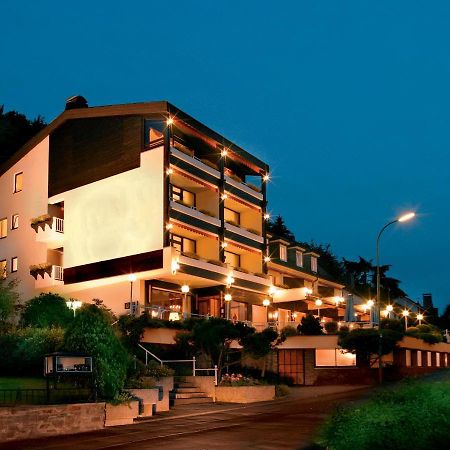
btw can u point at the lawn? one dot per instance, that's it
(414, 414)
(22, 383)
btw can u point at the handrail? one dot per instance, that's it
(148, 352)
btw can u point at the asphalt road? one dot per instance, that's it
(288, 423)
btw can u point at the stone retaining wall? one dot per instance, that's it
(244, 394)
(27, 422)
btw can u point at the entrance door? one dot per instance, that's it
(209, 306)
(291, 365)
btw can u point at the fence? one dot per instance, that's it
(11, 397)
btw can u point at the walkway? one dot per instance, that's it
(287, 423)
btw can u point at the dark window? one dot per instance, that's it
(181, 195)
(15, 222)
(18, 182)
(183, 244)
(232, 216)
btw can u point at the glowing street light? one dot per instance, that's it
(405, 314)
(420, 318)
(266, 302)
(318, 304)
(74, 305)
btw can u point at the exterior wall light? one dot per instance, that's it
(169, 171)
(230, 280)
(169, 226)
(228, 297)
(266, 259)
(224, 244)
(420, 318)
(169, 121)
(175, 266)
(224, 152)
(319, 302)
(370, 303)
(308, 291)
(272, 290)
(224, 196)
(266, 302)
(266, 216)
(266, 177)
(185, 289)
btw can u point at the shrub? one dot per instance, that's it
(287, 332)
(428, 333)
(47, 310)
(281, 390)
(392, 324)
(91, 333)
(8, 301)
(238, 380)
(310, 326)
(156, 370)
(331, 327)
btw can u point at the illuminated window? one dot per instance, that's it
(408, 358)
(14, 264)
(232, 216)
(15, 222)
(3, 228)
(283, 252)
(233, 259)
(18, 182)
(419, 358)
(183, 244)
(438, 359)
(334, 357)
(446, 359)
(429, 359)
(180, 195)
(3, 269)
(313, 264)
(299, 258)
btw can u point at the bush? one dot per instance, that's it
(156, 370)
(91, 333)
(47, 310)
(281, 390)
(238, 380)
(428, 333)
(310, 326)
(9, 298)
(391, 324)
(331, 327)
(287, 332)
(414, 415)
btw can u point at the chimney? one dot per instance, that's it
(76, 102)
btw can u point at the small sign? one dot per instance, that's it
(127, 305)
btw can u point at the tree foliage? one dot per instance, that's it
(47, 310)
(15, 130)
(278, 228)
(9, 299)
(310, 326)
(91, 332)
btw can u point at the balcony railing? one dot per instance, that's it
(195, 163)
(51, 232)
(52, 276)
(192, 211)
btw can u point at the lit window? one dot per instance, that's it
(233, 259)
(180, 195)
(15, 222)
(283, 252)
(232, 216)
(429, 359)
(18, 182)
(3, 269)
(182, 244)
(408, 358)
(299, 258)
(3, 228)
(419, 358)
(445, 360)
(334, 357)
(438, 359)
(14, 264)
(313, 264)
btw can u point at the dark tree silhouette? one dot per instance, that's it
(15, 130)
(278, 228)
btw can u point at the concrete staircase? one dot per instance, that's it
(185, 393)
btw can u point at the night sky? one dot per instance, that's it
(347, 101)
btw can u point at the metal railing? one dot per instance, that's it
(192, 362)
(59, 225)
(58, 273)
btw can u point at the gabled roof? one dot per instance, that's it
(128, 109)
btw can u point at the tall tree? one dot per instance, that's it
(15, 130)
(279, 228)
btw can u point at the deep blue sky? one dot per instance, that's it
(349, 102)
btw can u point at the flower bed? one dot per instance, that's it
(236, 388)
(238, 380)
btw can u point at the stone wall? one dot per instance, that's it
(27, 422)
(244, 394)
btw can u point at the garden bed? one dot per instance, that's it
(244, 394)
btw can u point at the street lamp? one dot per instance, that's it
(403, 218)
(420, 318)
(318, 304)
(131, 278)
(405, 314)
(73, 305)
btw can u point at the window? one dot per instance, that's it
(3, 269)
(154, 136)
(408, 358)
(3, 228)
(438, 359)
(313, 264)
(334, 357)
(232, 216)
(283, 252)
(183, 244)
(14, 264)
(445, 359)
(429, 359)
(299, 258)
(180, 195)
(233, 259)
(419, 358)
(18, 182)
(15, 222)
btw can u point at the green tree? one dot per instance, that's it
(9, 299)
(278, 228)
(260, 345)
(91, 332)
(15, 131)
(47, 310)
(310, 326)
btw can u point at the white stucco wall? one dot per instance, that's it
(118, 216)
(31, 202)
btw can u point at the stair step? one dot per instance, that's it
(184, 385)
(185, 389)
(188, 401)
(190, 395)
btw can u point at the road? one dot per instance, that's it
(287, 423)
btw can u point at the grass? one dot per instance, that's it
(22, 383)
(414, 414)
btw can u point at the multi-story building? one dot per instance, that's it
(142, 194)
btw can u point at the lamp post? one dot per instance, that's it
(405, 314)
(73, 305)
(318, 304)
(403, 218)
(420, 318)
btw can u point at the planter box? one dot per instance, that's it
(166, 383)
(149, 398)
(121, 414)
(244, 394)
